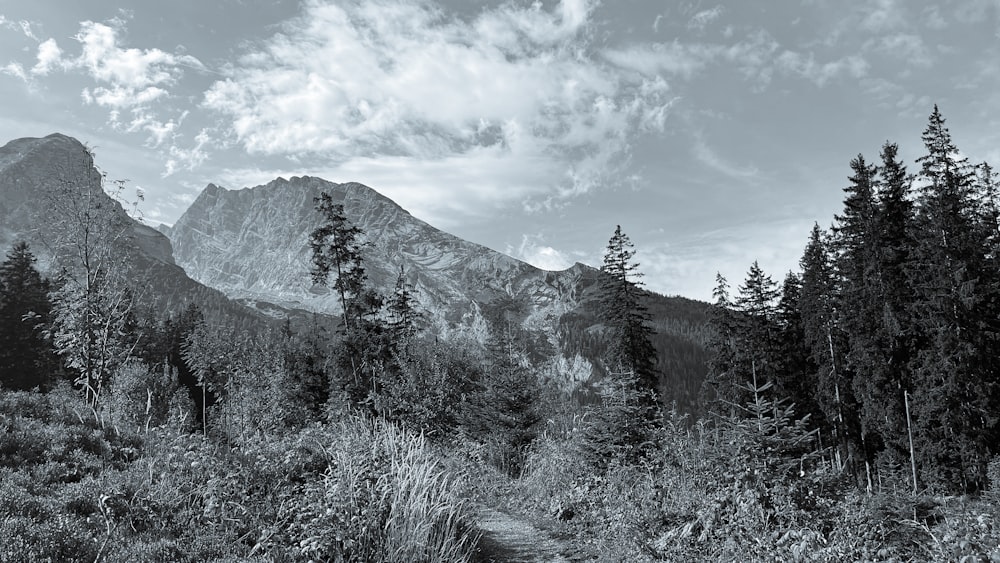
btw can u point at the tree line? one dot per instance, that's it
(886, 341)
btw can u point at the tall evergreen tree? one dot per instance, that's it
(955, 371)
(827, 343)
(796, 371)
(884, 349)
(622, 301)
(857, 248)
(723, 348)
(337, 250)
(27, 359)
(757, 348)
(757, 300)
(404, 317)
(336, 247)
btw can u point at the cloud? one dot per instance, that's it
(681, 267)
(883, 15)
(908, 47)
(707, 156)
(933, 19)
(400, 79)
(533, 251)
(15, 70)
(700, 20)
(130, 77)
(187, 158)
(820, 74)
(654, 59)
(49, 57)
(447, 192)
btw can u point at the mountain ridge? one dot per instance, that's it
(38, 173)
(253, 244)
(245, 254)
(240, 241)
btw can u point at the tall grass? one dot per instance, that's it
(383, 497)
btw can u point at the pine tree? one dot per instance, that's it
(756, 347)
(796, 371)
(955, 370)
(337, 250)
(27, 359)
(827, 343)
(506, 404)
(723, 348)
(622, 295)
(307, 365)
(882, 377)
(404, 317)
(336, 247)
(857, 248)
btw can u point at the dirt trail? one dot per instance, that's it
(513, 540)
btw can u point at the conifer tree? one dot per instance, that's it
(27, 359)
(954, 310)
(337, 251)
(857, 248)
(723, 348)
(622, 295)
(404, 317)
(796, 371)
(827, 343)
(756, 353)
(506, 405)
(882, 374)
(336, 247)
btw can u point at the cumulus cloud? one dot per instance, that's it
(400, 79)
(534, 251)
(128, 77)
(49, 57)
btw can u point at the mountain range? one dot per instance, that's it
(245, 254)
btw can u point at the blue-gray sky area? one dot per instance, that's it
(713, 133)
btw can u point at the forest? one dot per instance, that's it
(850, 412)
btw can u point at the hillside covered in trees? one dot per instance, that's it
(849, 413)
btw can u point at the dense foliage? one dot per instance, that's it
(888, 337)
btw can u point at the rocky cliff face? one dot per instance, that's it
(39, 176)
(253, 244)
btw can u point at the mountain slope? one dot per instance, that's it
(39, 176)
(252, 244)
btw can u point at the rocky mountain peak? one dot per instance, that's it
(253, 244)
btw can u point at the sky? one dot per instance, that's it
(715, 134)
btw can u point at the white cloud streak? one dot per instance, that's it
(703, 18)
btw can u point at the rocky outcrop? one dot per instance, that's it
(253, 244)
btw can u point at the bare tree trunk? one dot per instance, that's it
(909, 433)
